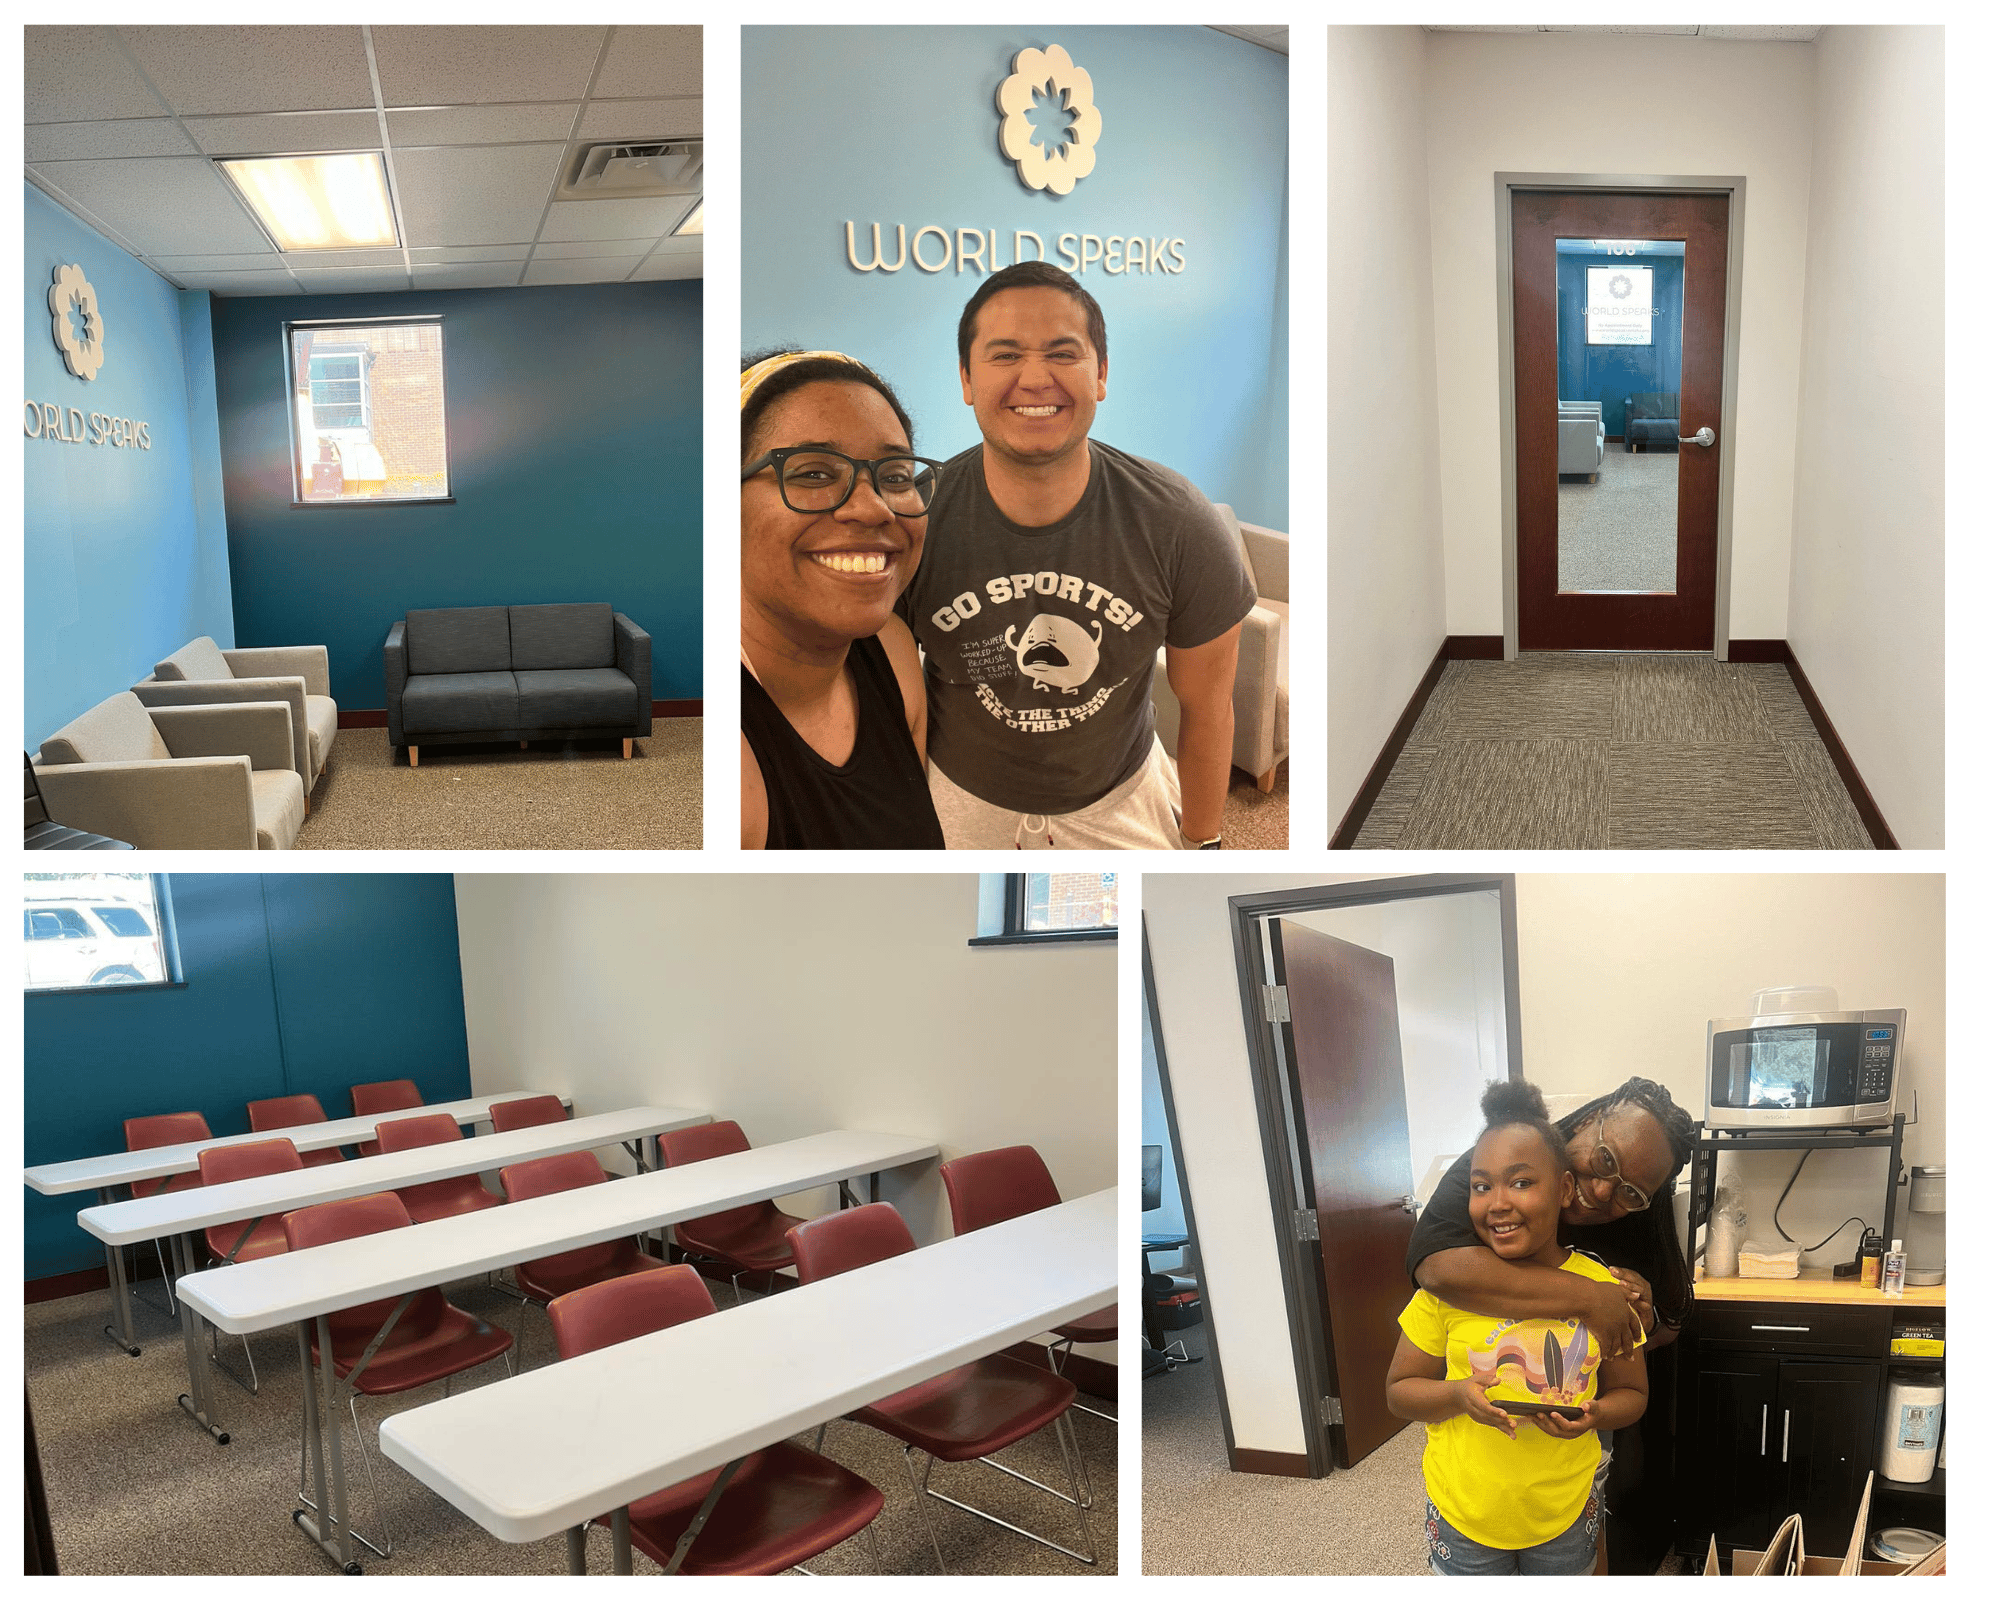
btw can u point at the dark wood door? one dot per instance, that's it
(1347, 1063)
(1727, 1476)
(1684, 617)
(1829, 1420)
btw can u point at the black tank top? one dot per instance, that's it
(878, 801)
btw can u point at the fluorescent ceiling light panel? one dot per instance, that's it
(691, 223)
(319, 202)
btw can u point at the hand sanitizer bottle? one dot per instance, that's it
(1893, 1261)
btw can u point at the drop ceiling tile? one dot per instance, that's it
(590, 269)
(265, 260)
(661, 267)
(642, 119)
(480, 66)
(592, 247)
(287, 136)
(470, 252)
(239, 283)
(167, 206)
(482, 124)
(651, 61)
(613, 219)
(81, 75)
(467, 275)
(352, 280)
(681, 244)
(222, 69)
(475, 196)
(76, 141)
(308, 260)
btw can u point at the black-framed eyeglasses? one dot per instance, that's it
(1604, 1163)
(813, 479)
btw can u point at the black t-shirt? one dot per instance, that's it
(1447, 1225)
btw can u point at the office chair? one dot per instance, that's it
(293, 1111)
(966, 1414)
(447, 1197)
(780, 1506)
(743, 1239)
(372, 1099)
(245, 1241)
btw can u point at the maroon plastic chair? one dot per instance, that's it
(552, 1276)
(999, 1185)
(534, 1112)
(783, 1505)
(447, 1197)
(743, 1239)
(293, 1111)
(373, 1099)
(965, 1414)
(431, 1340)
(245, 1241)
(150, 1133)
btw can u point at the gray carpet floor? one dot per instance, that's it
(135, 1488)
(580, 795)
(1618, 534)
(1613, 752)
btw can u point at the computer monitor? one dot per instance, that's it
(1149, 1177)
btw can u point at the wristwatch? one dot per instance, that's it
(1205, 844)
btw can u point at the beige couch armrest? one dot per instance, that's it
(201, 804)
(236, 691)
(1270, 556)
(306, 661)
(261, 730)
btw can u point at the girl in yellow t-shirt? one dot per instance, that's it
(1514, 1408)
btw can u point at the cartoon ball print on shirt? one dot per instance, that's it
(1055, 652)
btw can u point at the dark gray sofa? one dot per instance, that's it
(481, 674)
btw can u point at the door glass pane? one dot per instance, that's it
(1618, 379)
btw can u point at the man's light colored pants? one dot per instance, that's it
(1142, 813)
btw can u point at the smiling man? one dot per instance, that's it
(1056, 567)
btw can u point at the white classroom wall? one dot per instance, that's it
(1867, 591)
(794, 1004)
(1386, 598)
(1612, 104)
(1620, 974)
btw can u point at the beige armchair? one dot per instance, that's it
(200, 674)
(203, 777)
(1263, 676)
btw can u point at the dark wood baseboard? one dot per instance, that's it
(380, 719)
(1760, 652)
(91, 1280)
(1475, 646)
(1272, 1463)
(1850, 775)
(1098, 1379)
(1385, 763)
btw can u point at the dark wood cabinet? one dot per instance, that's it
(1831, 1421)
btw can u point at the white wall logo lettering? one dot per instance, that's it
(79, 325)
(1057, 167)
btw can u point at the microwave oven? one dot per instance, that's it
(1826, 1069)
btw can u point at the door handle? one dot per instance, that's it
(1785, 1448)
(1410, 1206)
(1702, 436)
(1763, 1426)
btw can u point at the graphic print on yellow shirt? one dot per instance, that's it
(1510, 1493)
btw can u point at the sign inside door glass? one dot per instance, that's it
(1620, 305)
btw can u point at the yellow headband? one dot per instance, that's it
(756, 375)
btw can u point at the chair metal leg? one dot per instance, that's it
(387, 1547)
(1074, 1500)
(874, 1548)
(819, 1440)
(214, 1336)
(1056, 1363)
(922, 1492)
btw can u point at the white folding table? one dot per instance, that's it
(182, 1215)
(304, 1287)
(550, 1450)
(106, 1173)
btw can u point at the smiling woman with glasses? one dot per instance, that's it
(835, 507)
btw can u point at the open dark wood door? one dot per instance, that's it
(1347, 1058)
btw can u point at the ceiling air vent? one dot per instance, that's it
(634, 169)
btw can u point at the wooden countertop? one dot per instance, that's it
(1814, 1286)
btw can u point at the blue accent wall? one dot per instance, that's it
(574, 423)
(124, 553)
(305, 984)
(1611, 372)
(1193, 147)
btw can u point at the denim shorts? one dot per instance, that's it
(1571, 1553)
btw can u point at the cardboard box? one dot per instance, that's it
(1786, 1556)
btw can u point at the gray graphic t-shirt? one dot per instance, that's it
(1039, 642)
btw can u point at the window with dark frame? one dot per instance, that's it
(1057, 908)
(85, 931)
(367, 402)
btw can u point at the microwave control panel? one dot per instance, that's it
(1878, 1063)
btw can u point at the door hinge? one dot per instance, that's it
(1305, 1227)
(1329, 1411)
(1277, 1003)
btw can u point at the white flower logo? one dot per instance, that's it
(1046, 73)
(82, 340)
(1621, 286)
